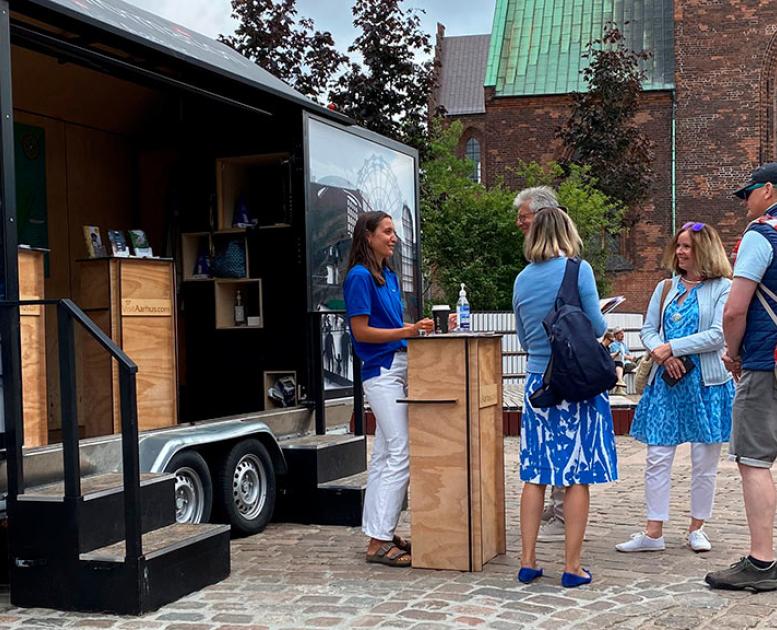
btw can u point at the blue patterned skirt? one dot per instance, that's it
(687, 412)
(571, 443)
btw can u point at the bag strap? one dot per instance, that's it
(569, 293)
(664, 293)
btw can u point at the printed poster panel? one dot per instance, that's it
(349, 175)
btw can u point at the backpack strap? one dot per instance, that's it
(569, 292)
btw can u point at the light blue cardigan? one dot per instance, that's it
(707, 343)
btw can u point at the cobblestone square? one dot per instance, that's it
(294, 576)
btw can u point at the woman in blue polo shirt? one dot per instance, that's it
(374, 308)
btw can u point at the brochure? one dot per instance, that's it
(94, 243)
(140, 244)
(118, 244)
(609, 304)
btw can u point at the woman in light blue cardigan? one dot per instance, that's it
(689, 394)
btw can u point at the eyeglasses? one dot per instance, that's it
(751, 188)
(694, 227)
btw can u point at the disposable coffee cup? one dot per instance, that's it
(440, 314)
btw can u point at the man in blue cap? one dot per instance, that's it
(750, 331)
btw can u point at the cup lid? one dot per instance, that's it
(441, 307)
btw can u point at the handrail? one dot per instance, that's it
(67, 313)
(104, 340)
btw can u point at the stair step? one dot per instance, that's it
(92, 487)
(159, 541)
(354, 482)
(102, 495)
(316, 459)
(177, 560)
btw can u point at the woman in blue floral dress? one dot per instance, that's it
(689, 393)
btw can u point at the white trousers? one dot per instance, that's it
(389, 470)
(658, 480)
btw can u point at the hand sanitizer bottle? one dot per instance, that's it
(462, 310)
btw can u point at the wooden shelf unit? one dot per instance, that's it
(236, 176)
(225, 290)
(269, 378)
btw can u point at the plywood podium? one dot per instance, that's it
(456, 450)
(133, 301)
(32, 328)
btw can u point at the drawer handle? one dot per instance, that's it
(422, 401)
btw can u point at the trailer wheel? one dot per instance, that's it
(245, 487)
(193, 487)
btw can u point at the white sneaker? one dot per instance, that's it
(641, 542)
(698, 540)
(552, 531)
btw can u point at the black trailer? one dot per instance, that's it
(112, 117)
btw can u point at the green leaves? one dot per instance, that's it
(601, 131)
(469, 233)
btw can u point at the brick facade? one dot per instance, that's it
(725, 121)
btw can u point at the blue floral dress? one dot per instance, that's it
(689, 411)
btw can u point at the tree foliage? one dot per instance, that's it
(469, 232)
(272, 35)
(388, 91)
(596, 216)
(601, 132)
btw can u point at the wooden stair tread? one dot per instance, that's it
(159, 541)
(91, 486)
(320, 441)
(353, 482)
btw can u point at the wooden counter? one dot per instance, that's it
(456, 450)
(32, 324)
(133, 301)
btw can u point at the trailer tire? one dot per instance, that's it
(193, 487)
(245, 487)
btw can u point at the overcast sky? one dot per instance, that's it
(212, 17)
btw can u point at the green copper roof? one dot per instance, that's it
(536, 44)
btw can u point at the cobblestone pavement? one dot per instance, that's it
(294, 576)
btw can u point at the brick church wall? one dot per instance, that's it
(524, 128)
(721, 52)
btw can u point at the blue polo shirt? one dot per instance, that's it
(383, 305)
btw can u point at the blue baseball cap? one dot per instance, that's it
(764, 174)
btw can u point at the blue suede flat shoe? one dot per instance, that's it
(571, 580)
(527, 574)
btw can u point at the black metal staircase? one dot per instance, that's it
(105, 543)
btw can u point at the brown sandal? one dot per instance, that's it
(381, 556)
(403, 543)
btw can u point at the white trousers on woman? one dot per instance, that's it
(658, 480)
(389, 470)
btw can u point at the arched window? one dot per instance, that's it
(472, 153)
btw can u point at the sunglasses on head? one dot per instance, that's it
(694, 227)
(751, 188)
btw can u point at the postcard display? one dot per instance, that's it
(32, 326)
(133, 301)
(456, 465)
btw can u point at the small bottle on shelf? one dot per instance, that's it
(240, 310)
